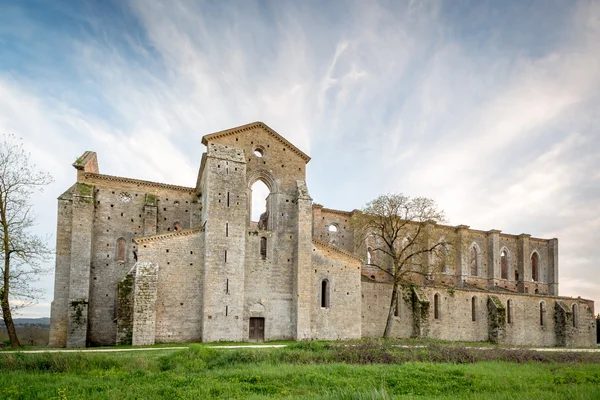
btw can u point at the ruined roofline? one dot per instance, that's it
(332, 211)
(120, 179)
(254, 125)
(330, 247)
(450, 227)
(160, 236)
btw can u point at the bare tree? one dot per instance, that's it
(23, 253)
(393, 232)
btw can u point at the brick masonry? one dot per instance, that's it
(143, 262)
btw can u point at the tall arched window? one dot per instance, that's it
(509, 311)
(443, 256)
(259, 196)
(263, 247)
(369, 255)
(473, 308)
(575, 310)
(436, 306)
(542, 314)
(535, 261)
(121, 249)
(474, 260)
(504, 264)
(325, 293)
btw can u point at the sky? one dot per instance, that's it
(492, 108)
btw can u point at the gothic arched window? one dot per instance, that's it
(504, 264)
(474, 260)
(535, 261)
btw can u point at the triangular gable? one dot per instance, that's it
(248, 128)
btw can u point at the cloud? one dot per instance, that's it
(495, 118)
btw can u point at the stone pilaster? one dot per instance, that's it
(144, 303)
(553, 267)
(150, 215)
(302, 293)
(79, 274)
(493, 272)
(462, 251)
(523, 262)
(60, 305)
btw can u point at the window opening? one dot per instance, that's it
(227, 199)
(227, 286)
(397, 309)
(225, 255)
(369, 255)
(473, 308)
(504, 264)
(474, 260)
(333, 228)
(534, 267)
(263, 247)
(260, 195)
(121, 249)
(542, 314)
(436, 306)
(226, 310)
(575, 310)
(226, 229)
(325, 294)
(509, 311)
(258, 152)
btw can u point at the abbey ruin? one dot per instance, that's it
(142, 262)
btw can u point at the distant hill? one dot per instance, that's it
(23, 321)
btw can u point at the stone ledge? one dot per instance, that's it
(183, 232)
(112, 178)
(330, 247)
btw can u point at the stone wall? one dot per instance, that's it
(334, 307)
(178, 304)
(343, 235)
(464, 315)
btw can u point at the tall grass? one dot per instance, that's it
(366, 369)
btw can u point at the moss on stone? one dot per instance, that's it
(84, 189)
(150, 199)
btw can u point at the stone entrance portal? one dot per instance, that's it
(257, 329)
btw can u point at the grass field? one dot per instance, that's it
(314, 370)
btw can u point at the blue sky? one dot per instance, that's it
(489, 107)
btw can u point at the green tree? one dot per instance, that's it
(23, 253)
(393, 232)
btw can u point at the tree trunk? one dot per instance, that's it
(8, 321)
(390, 318)
(6, 314)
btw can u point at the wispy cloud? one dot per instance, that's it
(488, 108)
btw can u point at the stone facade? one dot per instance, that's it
(142, 262)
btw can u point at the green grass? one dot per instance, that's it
(308, 370)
